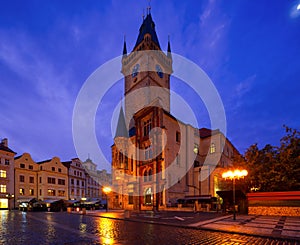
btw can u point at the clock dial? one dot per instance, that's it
(135, 70)
(159, 71)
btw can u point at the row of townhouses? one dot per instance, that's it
(22, 179)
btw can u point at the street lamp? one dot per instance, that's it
(106, 190)
(233, 175)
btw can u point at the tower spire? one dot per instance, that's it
(149, 7)
(124, 47)
(121, 130)
(169, 48)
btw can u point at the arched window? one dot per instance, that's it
(150, 174)
(212, 148)
(145, 175)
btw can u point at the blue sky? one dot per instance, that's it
(249, 49)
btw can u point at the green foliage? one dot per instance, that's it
(273, 168)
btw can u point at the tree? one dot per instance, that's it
(273, 168)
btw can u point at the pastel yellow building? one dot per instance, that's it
(52, 180)
(6, 175)
(26, 182)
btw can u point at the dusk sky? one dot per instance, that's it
(249, 49)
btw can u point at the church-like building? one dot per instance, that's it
(157, 159)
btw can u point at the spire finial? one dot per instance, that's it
(143, 15)
(149, 7)
(169, 48)
(124, 46)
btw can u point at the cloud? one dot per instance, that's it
(245, 86)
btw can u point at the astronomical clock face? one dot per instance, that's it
(135, 70)
(159, 71)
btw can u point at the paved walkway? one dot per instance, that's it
(266, 226)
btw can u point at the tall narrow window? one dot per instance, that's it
(130, 198)
(131, 163)
(2, 188)
(2, 173)
(126, 161)
(148, 194)
(31, 179)
(177, 136)
(22, 178)
(22, 191)
(178, 159)
(212, 148)
(147, 127)
(150, 174)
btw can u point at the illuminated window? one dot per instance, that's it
(2, 173)
(31, 192)
(212, 148)
(148, 196)
(2, 188)
(196, 148)
(22, 191)
(61, 193)
(51, 192)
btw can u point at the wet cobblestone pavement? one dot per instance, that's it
(64, 228)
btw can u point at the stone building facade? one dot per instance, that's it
(6, 175)
(157, 159)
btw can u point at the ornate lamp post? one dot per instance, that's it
(106, 190)
(233, 175)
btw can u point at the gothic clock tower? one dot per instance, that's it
(147, 71)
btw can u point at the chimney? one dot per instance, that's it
(4, 142)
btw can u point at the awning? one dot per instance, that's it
(50, 201)
(71, 201)
(92, 202)
(24, 200)
(197, 198)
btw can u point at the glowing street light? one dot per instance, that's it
(233, 175)
(106, 190)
